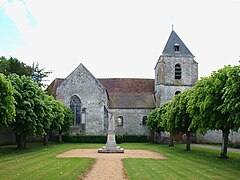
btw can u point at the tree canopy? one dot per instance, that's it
(7, 102)
(214, 103)
(14, 66)
(28, 96)
(177, 119)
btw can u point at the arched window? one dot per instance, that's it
(120, 121)
(177, 92)
(144, 120)
(75, 106)
(178, 71)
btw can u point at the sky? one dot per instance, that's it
(118, 39)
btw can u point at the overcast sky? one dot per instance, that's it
(121, 38)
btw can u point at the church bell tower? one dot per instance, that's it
(175, 71)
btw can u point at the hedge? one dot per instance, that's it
(103, 138)
(85, 138)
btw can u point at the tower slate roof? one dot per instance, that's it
(174, 40)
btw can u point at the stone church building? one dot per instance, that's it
(127, 100)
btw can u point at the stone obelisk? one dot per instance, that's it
(111, 145)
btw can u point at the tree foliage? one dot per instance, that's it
(14, 66)
(36, 112)
(7, 102)
(154, 119)
(214, 103)
(28, 97)
(39, 74)
(177, 119)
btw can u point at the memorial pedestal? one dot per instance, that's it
(111, 145)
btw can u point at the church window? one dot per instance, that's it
(177, 92)
(144, 120)
(75, 106)
(120, 121)
(178, 71)
(176, 47)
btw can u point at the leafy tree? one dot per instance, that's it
(68, 121)
(39, 74)
(58, 116)
(45, 114)
(28, 96)
(211, 101)
(178, 119)
(13, 65)
(154, 120)
(7, 102)
(231, 94)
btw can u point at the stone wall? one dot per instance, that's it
(165, 93)
(7, 136)
(132, 121)
(165, 83)
(93, 98)
(165, 71)
(216, 137)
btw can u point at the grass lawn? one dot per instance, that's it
(198, 163)
(39, 162)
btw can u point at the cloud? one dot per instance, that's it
(16, 10)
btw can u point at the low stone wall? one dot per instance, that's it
(216, 137)
(7, 136)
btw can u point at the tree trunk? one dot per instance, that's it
(171, 140)
(225, 134)
(45, 140)
(159, 137)
(188, 134)
(60, 136)
(21, 141)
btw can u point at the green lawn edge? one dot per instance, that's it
(39, 162)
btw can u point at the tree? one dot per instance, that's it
(154, 121)
(45, 114)
(213, 105)
(28, 96)
(38, 74)
(231, 94)
(67, 122)
(58, 117)
(178, 119)
(7, 102)
(13, 65)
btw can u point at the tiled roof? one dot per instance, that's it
(51, 89)
(129, 93)
(124, 93)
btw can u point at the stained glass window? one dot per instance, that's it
(75, 106)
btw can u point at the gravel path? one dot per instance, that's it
(108, 165)
(216, 148)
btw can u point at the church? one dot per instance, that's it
(127, 100)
